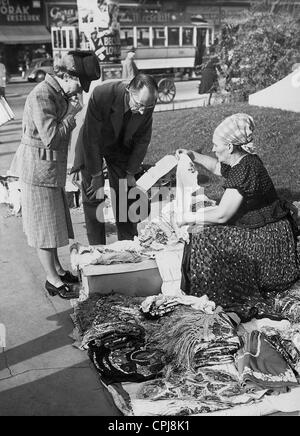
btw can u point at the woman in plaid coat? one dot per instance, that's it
(48, 120)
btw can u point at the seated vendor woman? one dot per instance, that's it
(245, 253)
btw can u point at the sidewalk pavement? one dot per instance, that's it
(41, 373)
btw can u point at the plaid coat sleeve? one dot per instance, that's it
(48, 116)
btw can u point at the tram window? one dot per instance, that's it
(173, 35)
(159, 36)
(187, 36)
(126, 36)
(55, 41)
(143, 36)
(64, 39)
(71, 39)
(59, 39)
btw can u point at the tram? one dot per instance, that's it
(168, 46)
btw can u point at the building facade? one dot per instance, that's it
(23, 33)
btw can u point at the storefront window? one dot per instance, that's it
(143, 36)
(126, 36)
(159, 36)
(187, 36)
(173, 35)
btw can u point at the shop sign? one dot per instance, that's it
(99, 22)
(61, 14)
(19, 12)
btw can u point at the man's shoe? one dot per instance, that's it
(65, 291)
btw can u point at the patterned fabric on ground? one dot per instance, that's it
(287, 342)
(125, 359)
(288, 303)
(204, 391)
(241, 269)
(46, 216)
(261, 365)
(183, 338)
(111, 312)
(116, 337)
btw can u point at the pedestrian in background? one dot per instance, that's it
(209, 77)
(3, 77)
(117, 128)
(41, 162)
(130, 70)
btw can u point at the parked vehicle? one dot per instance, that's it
(38, 69)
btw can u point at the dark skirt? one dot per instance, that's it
(241, 269)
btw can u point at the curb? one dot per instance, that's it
(13, 95)
(184, 104)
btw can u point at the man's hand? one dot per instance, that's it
(96, 183)
(131, 182)
(74, 107)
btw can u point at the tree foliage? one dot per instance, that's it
(260, 51)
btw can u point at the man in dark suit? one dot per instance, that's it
(117, 127)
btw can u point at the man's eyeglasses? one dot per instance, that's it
(139, 105)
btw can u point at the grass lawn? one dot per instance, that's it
(277, 137)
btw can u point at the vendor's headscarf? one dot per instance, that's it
(236, 130)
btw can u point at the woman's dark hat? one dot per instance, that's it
(87, 67)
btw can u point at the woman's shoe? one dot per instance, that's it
(68, 277)
(64, 291)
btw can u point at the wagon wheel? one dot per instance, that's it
(166, 90)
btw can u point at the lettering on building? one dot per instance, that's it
(16, 12)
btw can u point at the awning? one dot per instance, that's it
(24, 34)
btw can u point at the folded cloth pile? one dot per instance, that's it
(192, 333)
(120, 355)
(217, 352)
(261, 365)
(158, 305)
(288, 303)
(152, 232)
(206, 390)
(286, 341)
(125, 358)
(116, 339)
(104, 254)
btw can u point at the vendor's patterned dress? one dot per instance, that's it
(243, 265)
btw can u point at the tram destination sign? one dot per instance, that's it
(18, 12)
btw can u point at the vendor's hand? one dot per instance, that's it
(131, 182)
(96, 183)
(179, 151)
